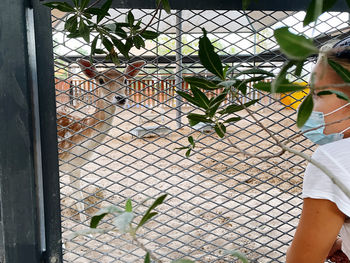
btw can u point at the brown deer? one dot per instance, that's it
(77, 137)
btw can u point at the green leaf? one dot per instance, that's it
(105, 7)
(130, 19)
(255, 71)
(238, 255)
(282, 88)
(202, 83)
(342, 72)
(71, 24)
(188, 152)
(138, 42)
(147, 34)
(100, 51)
(190, 140)
(295, 47)
(232, 69)
(165, 4)
(215, 103)
(147, 258)
(225, 71)
(220, 129)
(94, 11)
(228, 83)
(137, 26)
(182, 148)
(95, 220)
(200, 97)
(107, 44)
(84, 31)
(282, 76)
(245, 4)
(305, 110)
(75, 34)
(316, 8)
(93, 46)
(128, 44)
(89, 17)
(113, 57)
(189, 98)
(208, 57)
(235, 107)
(62, 6)
(149, 214)
(128, 206)
(299, 67)
(120, 32)
(233, 119)
(120, 46)
(84, 4)
(123, 221)
(340, 95)
(182, 261)
(195, 118)
(241, 85)
(218, 99)
(193, 122)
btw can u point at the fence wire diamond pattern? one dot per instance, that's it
(217, 199)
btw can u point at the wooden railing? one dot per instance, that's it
(141, 93)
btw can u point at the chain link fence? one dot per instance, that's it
(218, 199)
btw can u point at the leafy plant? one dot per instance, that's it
(86, 21)
(123, 221)
(297, 49)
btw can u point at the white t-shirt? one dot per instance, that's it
(336, 157)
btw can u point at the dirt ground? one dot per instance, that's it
(217, 199)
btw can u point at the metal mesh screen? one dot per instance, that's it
(218, 199)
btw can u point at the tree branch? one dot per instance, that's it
(142, 246)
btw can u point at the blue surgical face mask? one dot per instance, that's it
(317, 136)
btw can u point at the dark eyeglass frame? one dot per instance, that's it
(345, 52)
(343, 43)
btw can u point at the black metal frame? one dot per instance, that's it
(27, 72)
(26, 75)
(266, 5)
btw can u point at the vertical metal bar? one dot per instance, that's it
(18, 200)
(36, 125)
(48, 131)
(178, 69)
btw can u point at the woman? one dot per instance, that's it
(326, 209)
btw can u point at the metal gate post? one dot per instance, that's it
(19, 231)
(28, 145)
(50, 194)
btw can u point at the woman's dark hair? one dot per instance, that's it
(340, 50)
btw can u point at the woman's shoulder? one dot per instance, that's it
(335, 149)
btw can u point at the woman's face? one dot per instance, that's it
(325, 76)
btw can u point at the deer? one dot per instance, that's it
(77, 137)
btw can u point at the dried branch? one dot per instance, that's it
(142, 246)
(154, 15)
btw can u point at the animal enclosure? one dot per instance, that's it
(217, 199)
